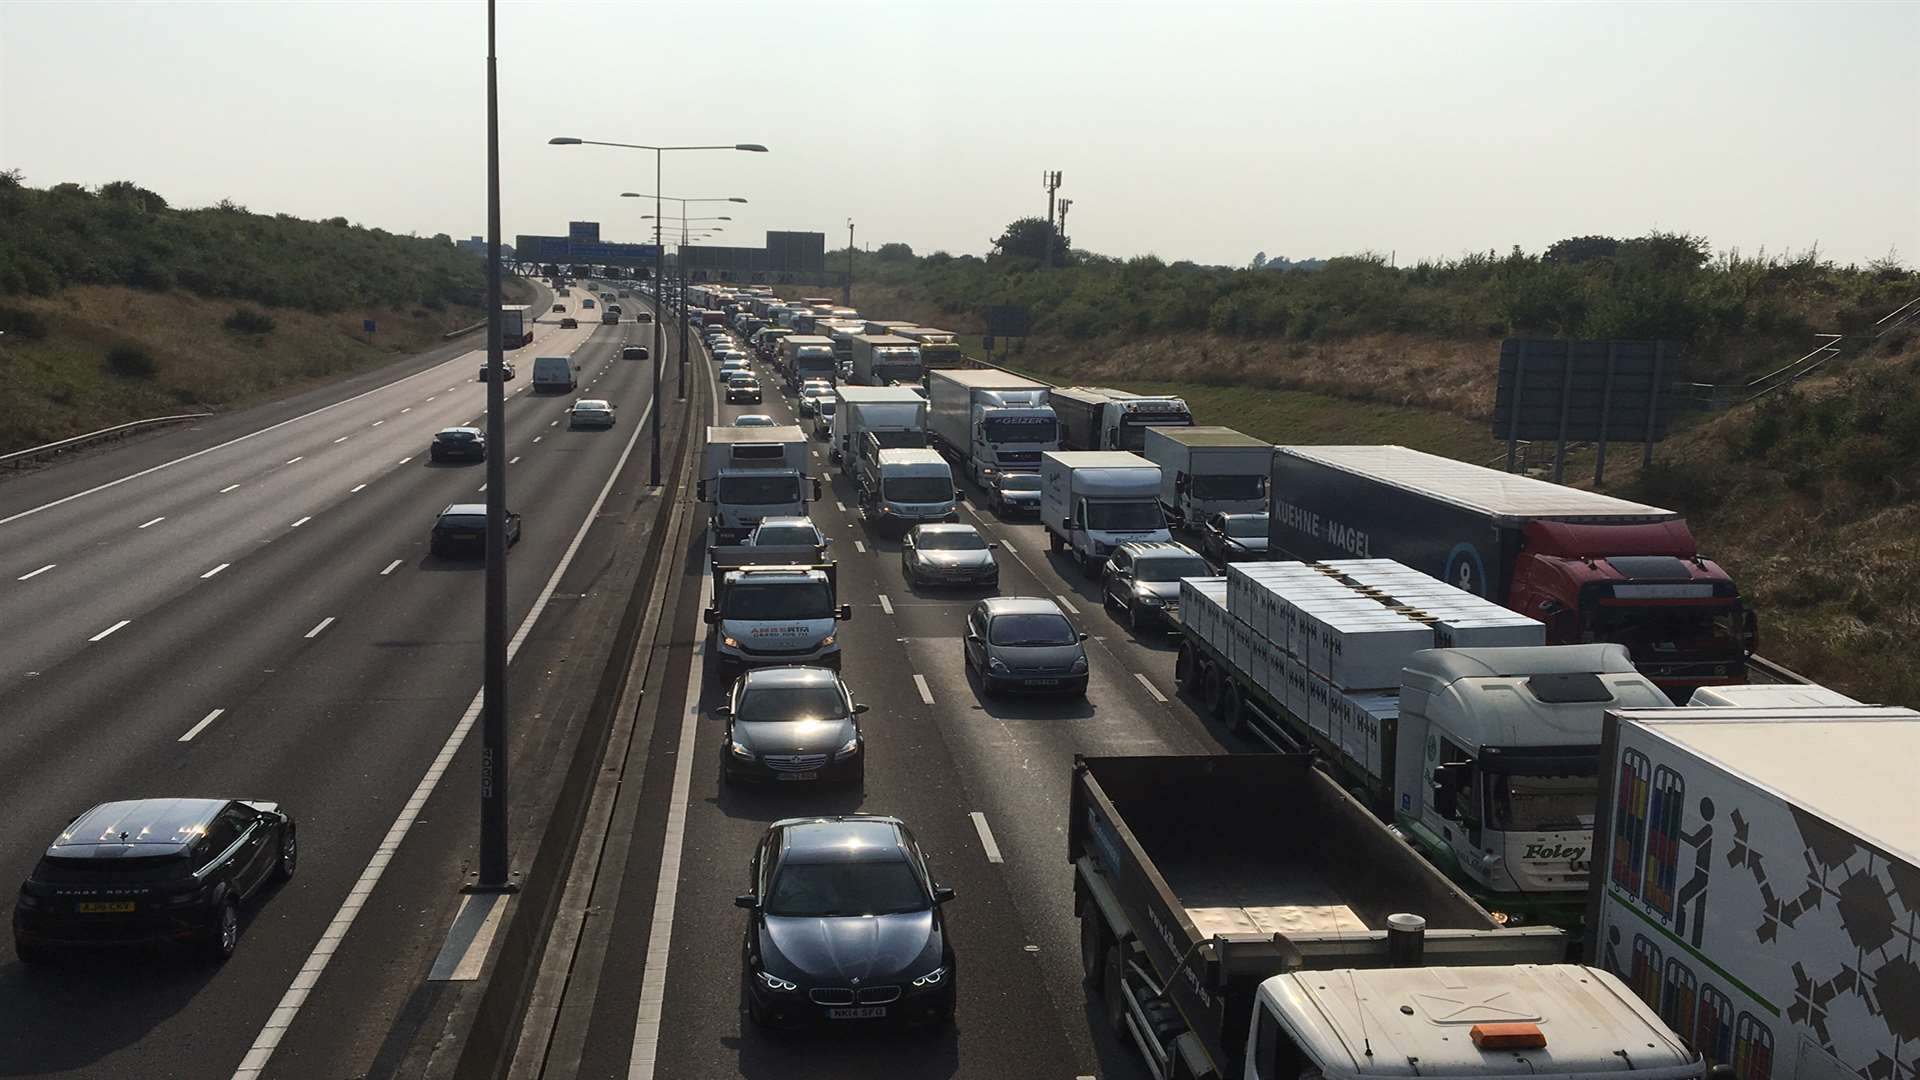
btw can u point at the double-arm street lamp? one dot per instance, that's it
(659, 274)
(659, 220)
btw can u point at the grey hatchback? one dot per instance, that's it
(1025, 643)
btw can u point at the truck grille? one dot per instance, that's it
(795, 762)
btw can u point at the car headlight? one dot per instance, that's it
(775, 982)
(739, 750)
(885, 509)
(851, 746)
(826, 641)
(931, 978)
(1079, 664)
(1149, 599)
(994, 664)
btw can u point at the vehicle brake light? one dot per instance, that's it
(1508, 1036)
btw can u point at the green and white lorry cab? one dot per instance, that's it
(1243, 918)
(753, 473)
(1496, 765)
(901, 488)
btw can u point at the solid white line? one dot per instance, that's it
(376, 423)
(390, 568)
(1066, 603)
(155, 521)
(886, 605)
(321, 625)
(228, 488)
(202, 725)
(340, 440)
(859, 547)
(986, 837)
(36, 573)
(197, 453)
(281, 1020)
(301, 522)
(644, 1052)
(1151, 689)
(514, 460)
(920, 683)
(215, 570)
(302, 457)
(1011, 550)
(358, 489)
(109, 630)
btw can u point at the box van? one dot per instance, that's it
(555, 373)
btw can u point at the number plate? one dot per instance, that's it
(800, 775)
(1040, 682)
(858, 1012)
(103, 907)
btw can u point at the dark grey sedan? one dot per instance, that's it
(948, 554)
(1025, 643)
(792, 724)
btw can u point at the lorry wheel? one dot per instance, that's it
(1234, 711)
(1053, 542)
(1212, 687)
(1093, 954)
(1183, 669)
(1113, 998)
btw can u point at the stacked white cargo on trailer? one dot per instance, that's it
(1758, 884)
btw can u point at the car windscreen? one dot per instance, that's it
(778, 704)
(1170, 568)
(827, 406)
(462, 521)
(916, 489)
(967, 540)
(785, 536)
(739, 382)
(759, 490)
(1037, 629)
(1020, 482)
(1228, 487)
(457, 436)
(818, 890)
(1125, 517)
(1520, 803)
(1250, 526)
(787, 600)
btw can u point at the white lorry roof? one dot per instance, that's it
(875, 395)
(1206, 435)
(786, 434)
(1475, 487)
(1409, 1022)
(1850, 765)
(1484, 696)
(912, 455)
(986, 379)
(1099, 459)
(1770, 696)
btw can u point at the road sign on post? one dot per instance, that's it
(1587, 391)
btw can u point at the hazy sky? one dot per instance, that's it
(1190, 130)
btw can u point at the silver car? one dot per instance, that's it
(1025, 643)
(1142, 580)
(590, 412)
(948, 554)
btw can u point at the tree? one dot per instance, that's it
(130, 192)
(1027, 238)
(894, 252)
(1578, 249)
(1259, 260)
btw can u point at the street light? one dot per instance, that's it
(658, 220)
(659, 274)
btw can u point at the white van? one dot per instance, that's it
(555, 374)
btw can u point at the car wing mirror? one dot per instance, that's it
(712, 616)
(746, 900)
(860, 708)
(1083, 636)
(723, 710)
(845, 613)
(942, 893)
(816, 489)
(993, 545)
(1072, 525)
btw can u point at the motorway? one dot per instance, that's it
(248, 609)
(983, 783)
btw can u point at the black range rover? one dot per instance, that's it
(153, 870)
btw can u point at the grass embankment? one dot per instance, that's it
(116, 306)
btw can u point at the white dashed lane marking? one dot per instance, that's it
(1066, 603)
(215, 570)
(321, 625)
(391, 567)
(228, 488)
(102, 634)
(302, 457)
(36, 573)
(155, 521)
(202, 725)
(301, 522)
(986, 837)
(920, 683)
(1151, 689)
(886, 605)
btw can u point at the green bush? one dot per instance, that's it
(131, 361)
(249, 321)
(18, 322)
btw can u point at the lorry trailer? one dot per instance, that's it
(1592, 567)
(516, 326)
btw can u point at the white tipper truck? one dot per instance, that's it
(1092, 501)
(1758, 883)
(895, 415)
(1209, 470)
(753, 473)
(990, 421)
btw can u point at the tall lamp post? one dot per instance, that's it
(682, 259)
(846, 296)
(659, 278)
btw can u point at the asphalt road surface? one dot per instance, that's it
(250, 610)
(963, 771)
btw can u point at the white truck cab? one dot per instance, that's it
(1092, 501)
(906, 487)
(753, 473)
(1497, 772)
(774, 614)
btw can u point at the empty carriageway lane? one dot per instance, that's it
(121, 551)
(313, 671)
(982, 783)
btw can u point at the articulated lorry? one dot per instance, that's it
(990, 421)
(904, 487)
(1093, 501)
(1437, 709)
(1096, 418)
(803, 357)
(753, 473)
(1209, 470)
(894, 415)
(516, 326)
(938, 348)
(1590, 566)
(1242, 919)
(884, 360)
(774, 605)
(1759, 880)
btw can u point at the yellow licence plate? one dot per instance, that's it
(103, 907)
